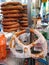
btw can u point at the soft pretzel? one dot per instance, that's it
(10, 30)
(10, 3)
(24, 25)
(24, 19)
(10, 12)
(9, 23)
(11, 26)
(11, 8)
(24, 15)
(12, 15)
(9, 19)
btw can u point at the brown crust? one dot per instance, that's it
(24, 15)
(24, 19)
(10, 3)
(11, 26)
(11, 8)
(24, 24)
(9, 19)
(12, 15)
(9, 23)
(10, 12)
(10, 30)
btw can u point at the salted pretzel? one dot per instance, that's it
(26, 48)
(11, 8)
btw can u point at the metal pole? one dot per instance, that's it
(31, 61)
(29, 14)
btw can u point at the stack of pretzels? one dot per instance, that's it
(24, 19)
(11, 13)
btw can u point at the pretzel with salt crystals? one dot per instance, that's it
(26, 48)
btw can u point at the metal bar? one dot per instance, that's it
(29, 14)
(31, 61)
